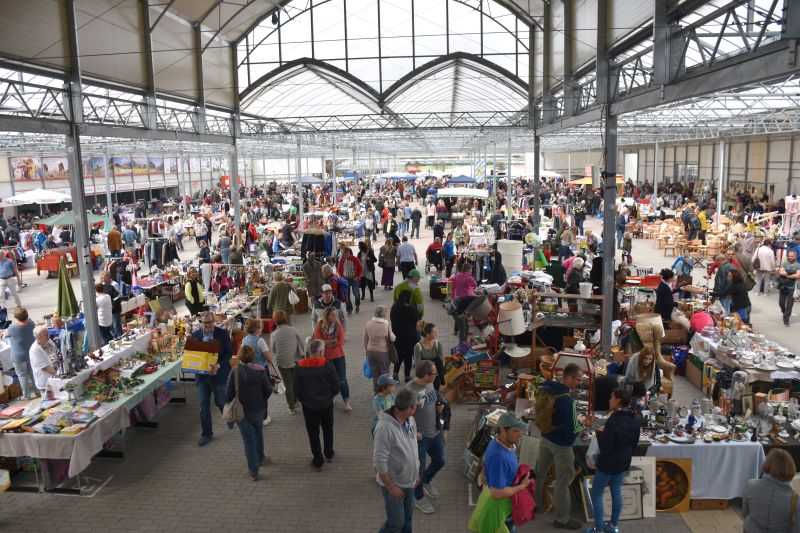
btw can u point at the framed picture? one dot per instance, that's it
(673, 485)
(632, 507)
(643, 472)
(471, 465)
(747, 404)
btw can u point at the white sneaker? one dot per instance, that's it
(292, 412)
(431, 491)
(267, 421)
(425, 506)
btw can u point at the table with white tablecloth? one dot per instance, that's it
(720, 470)
(79, 449)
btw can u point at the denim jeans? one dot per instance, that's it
(399, 513)
(253, 439)
(415, 229)
(433, 446)
(116, 324)
(725, 302)
(206, 387)
(620, 237)
(786, 303)
(401, 228)
(316, 419)
(355, 288)
(105, 334)
(341, 370)
(225, 257)
(614, 482)
(25, 375)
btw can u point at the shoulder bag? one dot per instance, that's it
(390, 349)
(275, 378)
(233, 412)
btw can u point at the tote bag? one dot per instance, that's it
(233, 412)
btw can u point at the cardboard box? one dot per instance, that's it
(758, 399)
(675, 334)
(14, 390)
(694, 375)
(709, 505)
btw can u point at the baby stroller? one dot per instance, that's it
(434, 258)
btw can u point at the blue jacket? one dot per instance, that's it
(225, 352)
(449, 248)
(564, 416)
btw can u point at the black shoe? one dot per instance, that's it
(329, 459)
(569, 524)
(315, 466)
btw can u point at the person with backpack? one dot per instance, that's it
(556, 417)
(694, 225)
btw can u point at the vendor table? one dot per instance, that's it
(753, 373)
(109, 360)
(114, 417)
(720, 470)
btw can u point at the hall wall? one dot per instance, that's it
(763, 164)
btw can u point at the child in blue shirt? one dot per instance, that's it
(384, 399)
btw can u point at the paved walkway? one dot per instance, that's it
(167, 483)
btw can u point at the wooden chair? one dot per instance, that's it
(659, 241)
(673, 247)
(667, 367)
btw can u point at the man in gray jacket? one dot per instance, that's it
(396, 460)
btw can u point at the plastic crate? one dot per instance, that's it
(487, 374)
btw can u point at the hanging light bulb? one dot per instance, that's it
(275, 18)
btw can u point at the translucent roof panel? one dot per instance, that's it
(380, 42)
(308, 91)
(458, 86)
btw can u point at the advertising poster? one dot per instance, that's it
(97, 167)
(26, 168)
(86, 164)
(156, 165)
(121, 166)
(170, 165)
(216, 164)
(55, 168)
(139, 165)
(205, 164)
(194, 164)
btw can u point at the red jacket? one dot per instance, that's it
(523, 506)
(356, 265)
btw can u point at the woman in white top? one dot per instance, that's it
(766, 265)
(41, 355)
(376, 333)
(104, 314)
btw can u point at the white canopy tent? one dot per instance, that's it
(38, 196)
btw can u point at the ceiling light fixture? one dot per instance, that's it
(275, 18)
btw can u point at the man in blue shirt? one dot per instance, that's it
(129, 237)
(407, 255)
(500, 467)
(407, 218)
(212, 384)
(8, 270)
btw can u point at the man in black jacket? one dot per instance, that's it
(316, 384)
(212, 384)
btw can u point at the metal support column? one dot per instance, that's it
(509, 201)
(495, 178)
(537, 183)
(333, 174)
(300, 187)
(76, 184)
(609, 219)
(108, 184)
(234, 187)
(655, 177)
(721, 177)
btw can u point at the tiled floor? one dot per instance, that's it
(167, 483)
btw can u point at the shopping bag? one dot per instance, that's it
(366, 369)
(592, 453)
(293, 298)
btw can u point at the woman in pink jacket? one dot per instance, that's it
(377, 335)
